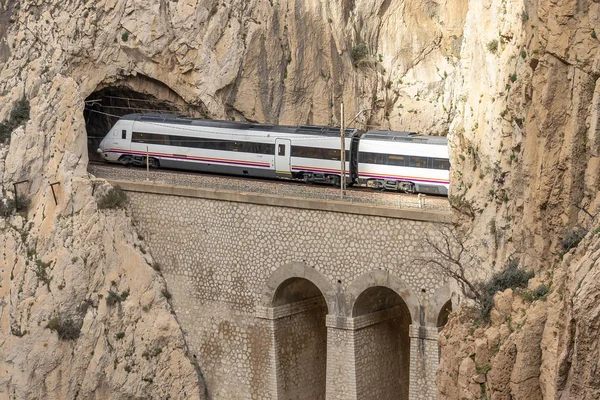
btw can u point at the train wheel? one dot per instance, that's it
(153, 163)
(126, 160)
(407, 187)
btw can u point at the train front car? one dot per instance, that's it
(404, 161)
(117, 141)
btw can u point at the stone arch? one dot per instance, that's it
(438, 305)
(296, 294)
(297, 270)
(383, 308)
(385, 279)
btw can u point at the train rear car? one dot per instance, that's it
(404, 161)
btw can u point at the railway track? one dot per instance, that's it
(235, 177)
(280, 187)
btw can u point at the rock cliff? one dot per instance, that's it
(537, 345)
(513, 83)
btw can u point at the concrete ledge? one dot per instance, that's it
(290, 309)
(362, 321)
(291, 202)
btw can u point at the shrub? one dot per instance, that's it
(513, 78)
(113, 297)
(41, 272)
(523, 53)
(66, 328)
(114, 198)
(492, 46)
(359, 52)
(571, 239)
(120, 335)
(540, 292)
(148, 354)
(18, 116)
(512, 277)
(125, 36)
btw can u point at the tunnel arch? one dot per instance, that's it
(115, 97)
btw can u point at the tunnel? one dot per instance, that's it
(128, 95)
(301, 340)
(382, 349)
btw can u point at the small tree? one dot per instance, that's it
(456, 260)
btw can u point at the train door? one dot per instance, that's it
(283, 152)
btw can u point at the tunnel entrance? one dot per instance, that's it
(301, 340)
(382, 349)
(135, 94)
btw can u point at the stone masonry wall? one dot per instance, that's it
(218, 257)
(301, 360)
(382, 360)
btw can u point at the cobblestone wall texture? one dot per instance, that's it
(301, 359)
(382, 360)
(217, 257)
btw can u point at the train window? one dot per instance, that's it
(123, 134)
(417, 162)
(281, 150)
(203, 143)
(394, 159)
(441, 163)
(318, 153)
(372, 158)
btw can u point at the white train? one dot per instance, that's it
(402, 161)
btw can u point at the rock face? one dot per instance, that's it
(541, 349)
(514, 83)
(82, 312)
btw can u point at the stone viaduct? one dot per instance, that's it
(283, 298)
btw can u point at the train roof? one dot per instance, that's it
(398, 136)
(183, 120)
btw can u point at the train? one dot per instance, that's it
(387, 160)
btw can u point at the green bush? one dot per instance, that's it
(66, 328)
(540, 292)
(512, 277)
(492, 46)
(113, 297)
(18, 116)
(125, 36)
(114, 198)
(359, 52)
